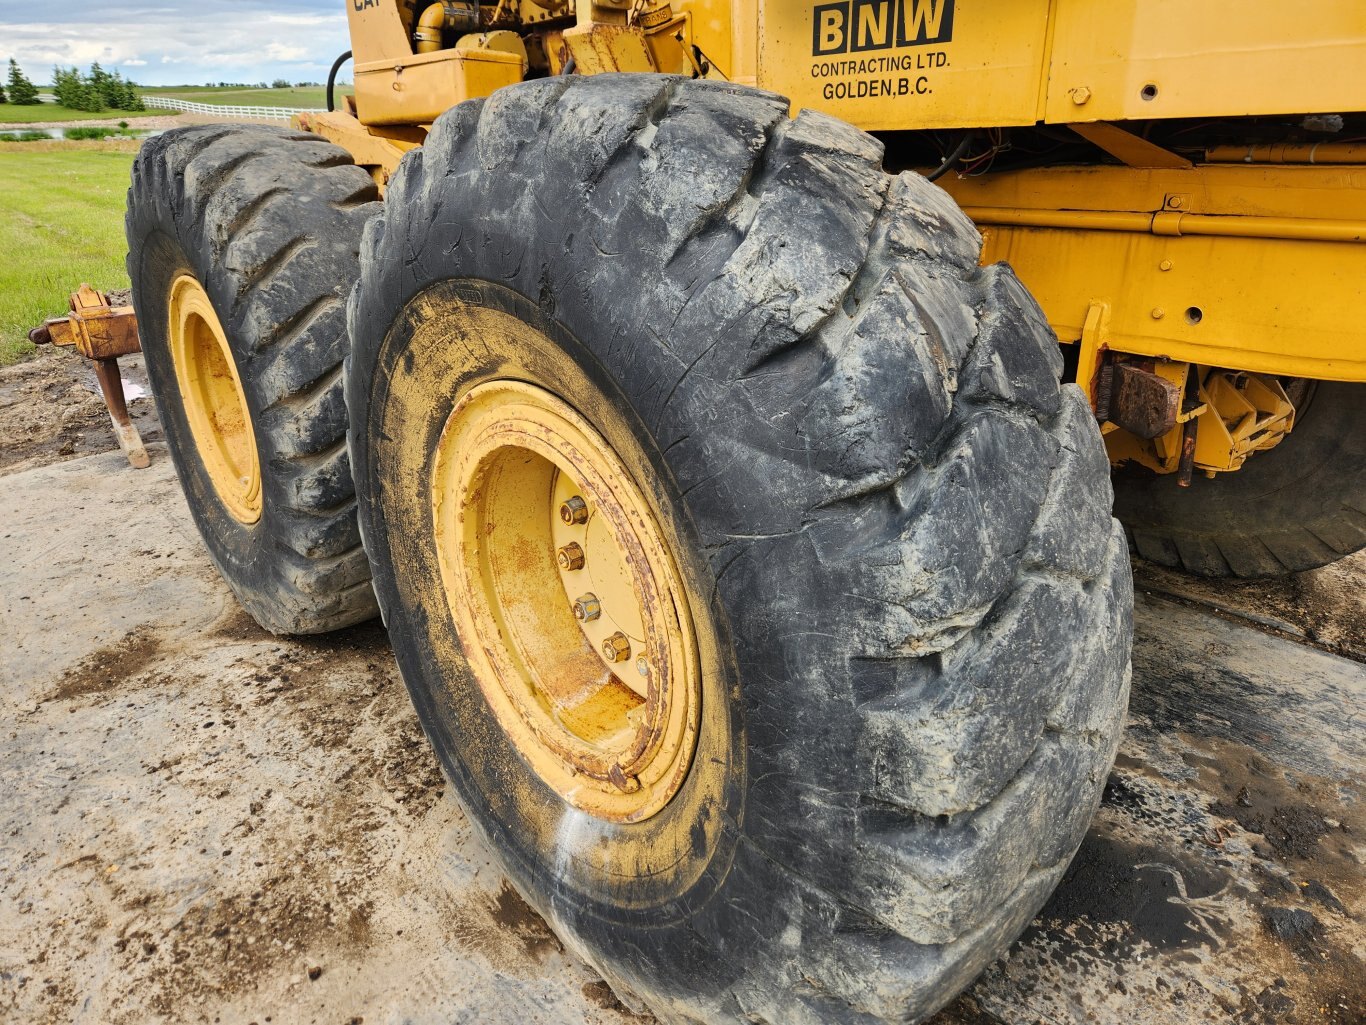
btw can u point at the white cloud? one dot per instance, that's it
(210, 40)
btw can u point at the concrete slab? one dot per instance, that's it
(200, 822)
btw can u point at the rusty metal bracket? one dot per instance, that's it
(1142, 402)
(102, 333)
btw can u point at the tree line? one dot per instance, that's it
(98, 90)
(92, 91)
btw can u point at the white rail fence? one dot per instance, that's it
(224, 110)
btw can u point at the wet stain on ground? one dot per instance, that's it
(1213, 880)
(1154, 894)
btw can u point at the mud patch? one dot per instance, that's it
(218, 949)
(966, 1010)
(1298, 822)
(236, 624)
(600, 994)
(304, 674)
(506, 930)
(109, 668)
(520, 919)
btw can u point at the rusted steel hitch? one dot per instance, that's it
(101, 333)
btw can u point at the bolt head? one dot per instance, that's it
(1158, 313)
(587, 608)
(574, 511)
(1165, 265)
(643, 666)
(616, 648)
(570, 556)
(1081, 95)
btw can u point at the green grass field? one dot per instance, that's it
(316, 97)
(61, 216)
(13, 114)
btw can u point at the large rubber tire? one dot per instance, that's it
(889, 513)
(269, 222)
(1296, 507)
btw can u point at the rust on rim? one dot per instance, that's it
(566, 599)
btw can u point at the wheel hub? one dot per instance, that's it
(566, 599)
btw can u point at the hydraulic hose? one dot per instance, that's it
(332, 77)
(953, 157)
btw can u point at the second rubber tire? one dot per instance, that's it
(1299, 506)
(268, 222)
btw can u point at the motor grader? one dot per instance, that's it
(714, 401)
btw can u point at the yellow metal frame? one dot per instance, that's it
(1236, 415)
(1257, 268)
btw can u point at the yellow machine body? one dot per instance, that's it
(899, 64)
(1222, 273)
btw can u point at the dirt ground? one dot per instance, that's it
(203, 823)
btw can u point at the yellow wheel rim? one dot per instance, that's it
(566, 600)
(214, 402)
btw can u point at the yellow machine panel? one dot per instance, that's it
(1258, 268)
(423, 86)
(1126, 59)
(892, 64)
(907, 64)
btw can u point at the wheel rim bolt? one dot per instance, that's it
(574, 511)
(587, 608)
(570, 556)
(642, 666)
(616, 648)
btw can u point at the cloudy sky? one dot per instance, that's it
(172, 43)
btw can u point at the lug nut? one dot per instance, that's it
(643, 666)
(587, 608)
(574, 511)
(616, 648)
(570, 556)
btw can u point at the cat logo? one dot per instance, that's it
(853, 26)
